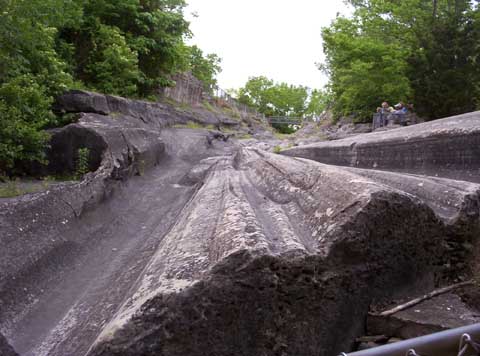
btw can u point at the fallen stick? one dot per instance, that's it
(418, 300)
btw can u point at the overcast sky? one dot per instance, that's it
(280, 39)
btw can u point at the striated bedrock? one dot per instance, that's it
(35, 228)
(274, 255)
(5, 348)
(447, 148)
(154, 114)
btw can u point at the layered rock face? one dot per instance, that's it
(274, 256)
(445, 148)
(155, 115)
(184, 242)
(45, 235)
(5, 348)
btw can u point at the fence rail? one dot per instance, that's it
(285, 120)
(221, 94)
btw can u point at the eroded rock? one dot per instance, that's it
(244, 254)
(443, 312)
(445, 148)
(154, 114)
(273, 255)
(5, 348)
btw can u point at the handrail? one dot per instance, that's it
(445, 343)
(284, 120)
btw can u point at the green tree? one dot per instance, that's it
(421, 50)
(112, 66)
(274, 99)
(31, 74)
(205, 67)
(318, 102)
(124, 47)
(136, 45)
(282, 99)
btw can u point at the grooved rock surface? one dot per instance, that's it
(183, 242)
(5, 348)
(272, 255)
(445, 148)
(154, 114)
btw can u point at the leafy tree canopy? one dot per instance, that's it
(123, 47)
(205, 67)
(424, 51)
(282, 99)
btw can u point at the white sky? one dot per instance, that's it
(280, 39)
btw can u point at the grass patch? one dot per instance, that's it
(277, 149)
(227, 129)
(193, 125)
(232, 112)
(208, 106)
(10, 188)
(281, 136)
(244, 136)
(177, 104)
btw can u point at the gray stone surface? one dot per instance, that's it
(273, 255)
(182, 242)
(154, 114)
(445, 148)
(70, 253)
(5, 348)
(443, 312)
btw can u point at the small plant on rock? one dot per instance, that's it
(83, 162)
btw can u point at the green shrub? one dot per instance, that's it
(82, 166)
(24, 111)
(113, 65)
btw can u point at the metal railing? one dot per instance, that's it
(455, 342)
(285, 120)
(383, 119)
(220, 94)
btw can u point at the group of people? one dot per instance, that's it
(387, 113)
(399, 108)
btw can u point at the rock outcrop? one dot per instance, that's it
(184, 242)
(274, 256)
(154, 114)
(42, 233)
(5, 348)
(444, 148)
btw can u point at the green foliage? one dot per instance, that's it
(24, 111)
(274, 99)
(319, 101)
(204, 67)
(10, 188)
(127, 47)
(244, 136)
(123, 47)
(193, 125)
(285, 129)
(112, 66)
(277, 149)
(31, 73)
(420, 50)
(82, 165)
(208, 106)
